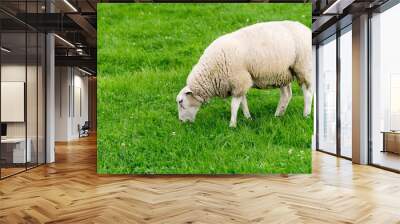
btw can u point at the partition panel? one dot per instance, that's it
(15, 149)
(22, 95)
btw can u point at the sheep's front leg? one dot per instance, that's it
(308, 95)
(286, 95)
(245, 108)
(234, 109)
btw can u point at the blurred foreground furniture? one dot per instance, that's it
(391, 141)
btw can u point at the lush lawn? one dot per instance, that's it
(145, 52)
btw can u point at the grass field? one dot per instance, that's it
(145, 52)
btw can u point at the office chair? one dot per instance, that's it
(84, 130)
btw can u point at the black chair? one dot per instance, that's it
(84, 130)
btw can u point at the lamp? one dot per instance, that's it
(70, 5)
(5, 50)
(64, 40)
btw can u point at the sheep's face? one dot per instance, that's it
(188, 105)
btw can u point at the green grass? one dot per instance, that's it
(145, 52)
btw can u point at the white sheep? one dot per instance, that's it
(263, 55)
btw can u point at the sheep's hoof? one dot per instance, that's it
(248, 117)
(232, 125)
(306, 114)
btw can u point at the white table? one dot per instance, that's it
(19, 155)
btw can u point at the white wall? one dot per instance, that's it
(62, 83)
(14, 72)
(70, 83)
(80, 84)
(13, 100)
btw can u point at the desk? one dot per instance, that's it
(13, 150)
(391, 141)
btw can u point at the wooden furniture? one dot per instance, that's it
(391, 141)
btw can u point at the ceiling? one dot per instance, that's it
(332, 15)
(74, 22)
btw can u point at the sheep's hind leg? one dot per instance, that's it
(302, 70)
(308, 95)
(286, 95)
(245, 108)
(234, 109)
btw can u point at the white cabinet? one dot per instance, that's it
(18, 149)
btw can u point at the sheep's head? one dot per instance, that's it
(188, 105)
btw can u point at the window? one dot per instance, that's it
(327, 95)
(346, 75)
(385, 89)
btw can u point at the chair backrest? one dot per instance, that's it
(86, 125)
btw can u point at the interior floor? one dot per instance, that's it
(8, 170)
(387, 159)
(70, 191)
